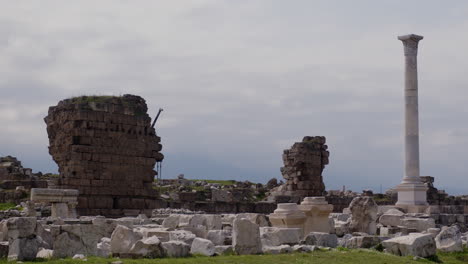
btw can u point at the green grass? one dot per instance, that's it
(316, 257)
(6, 206)
(220, 182)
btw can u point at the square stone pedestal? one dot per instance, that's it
(63, 201)
(317, 211)
(288, 215)
(411, 194)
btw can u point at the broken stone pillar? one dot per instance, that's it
(303, 166)
(63, 201)
(107, 149)
(411, 191)
(288, 215)
(317, 211)
(23, 243)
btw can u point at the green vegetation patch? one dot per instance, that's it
(358, 256)
(220, 182)
(6, 206)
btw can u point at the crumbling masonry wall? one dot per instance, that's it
(303, 166)
(106, 148)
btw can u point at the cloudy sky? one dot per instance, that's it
(241, 80)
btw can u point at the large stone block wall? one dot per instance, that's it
(303, 166)
(106, 148)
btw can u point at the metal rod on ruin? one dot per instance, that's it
(156, 118)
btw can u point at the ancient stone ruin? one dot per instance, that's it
(303, 166)
(106, 148)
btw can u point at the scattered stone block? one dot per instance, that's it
(149, 247)
(122, 239)
(282, 249)
(276, 236)
(449, 239)
(224, 250)
(321, 239)
(363, 215)
(203, 247)
(414, 244)
(182, 235)
(246, 237)
(176, 249)
(391, 217)
(45, 253)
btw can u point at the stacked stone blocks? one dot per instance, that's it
(106, 148)
(303, 166)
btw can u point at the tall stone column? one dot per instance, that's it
(411, 191)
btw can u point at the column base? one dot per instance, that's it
(411, 194)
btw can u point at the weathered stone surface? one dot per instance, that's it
(449, 239)
(303, 248)
(321, 239)
(203, 247)
(104, 247)
(288, 215)
(246, 237)
(419, 224)
(303, 166)
(172, 221)
(414, 244)
(391, 217)
(21, 227)
(106, 148)
(23, 249)
(122, 239)
(218, 237)
(224, 250)
(4, 249)
(317, 211)
(79, 256)
(149, 247)
(259, 219)
(79, 239)
(176, 249)
(45, 253)
(282, 249)
(276, 236)
(66, 245)
(363, 241)
(363, 215)
(161, 233)
(182, 235)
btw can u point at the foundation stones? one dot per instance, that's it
(105, 148)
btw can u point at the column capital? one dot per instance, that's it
(410, 43)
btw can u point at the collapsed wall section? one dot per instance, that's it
(106, 148)
(303, 166)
